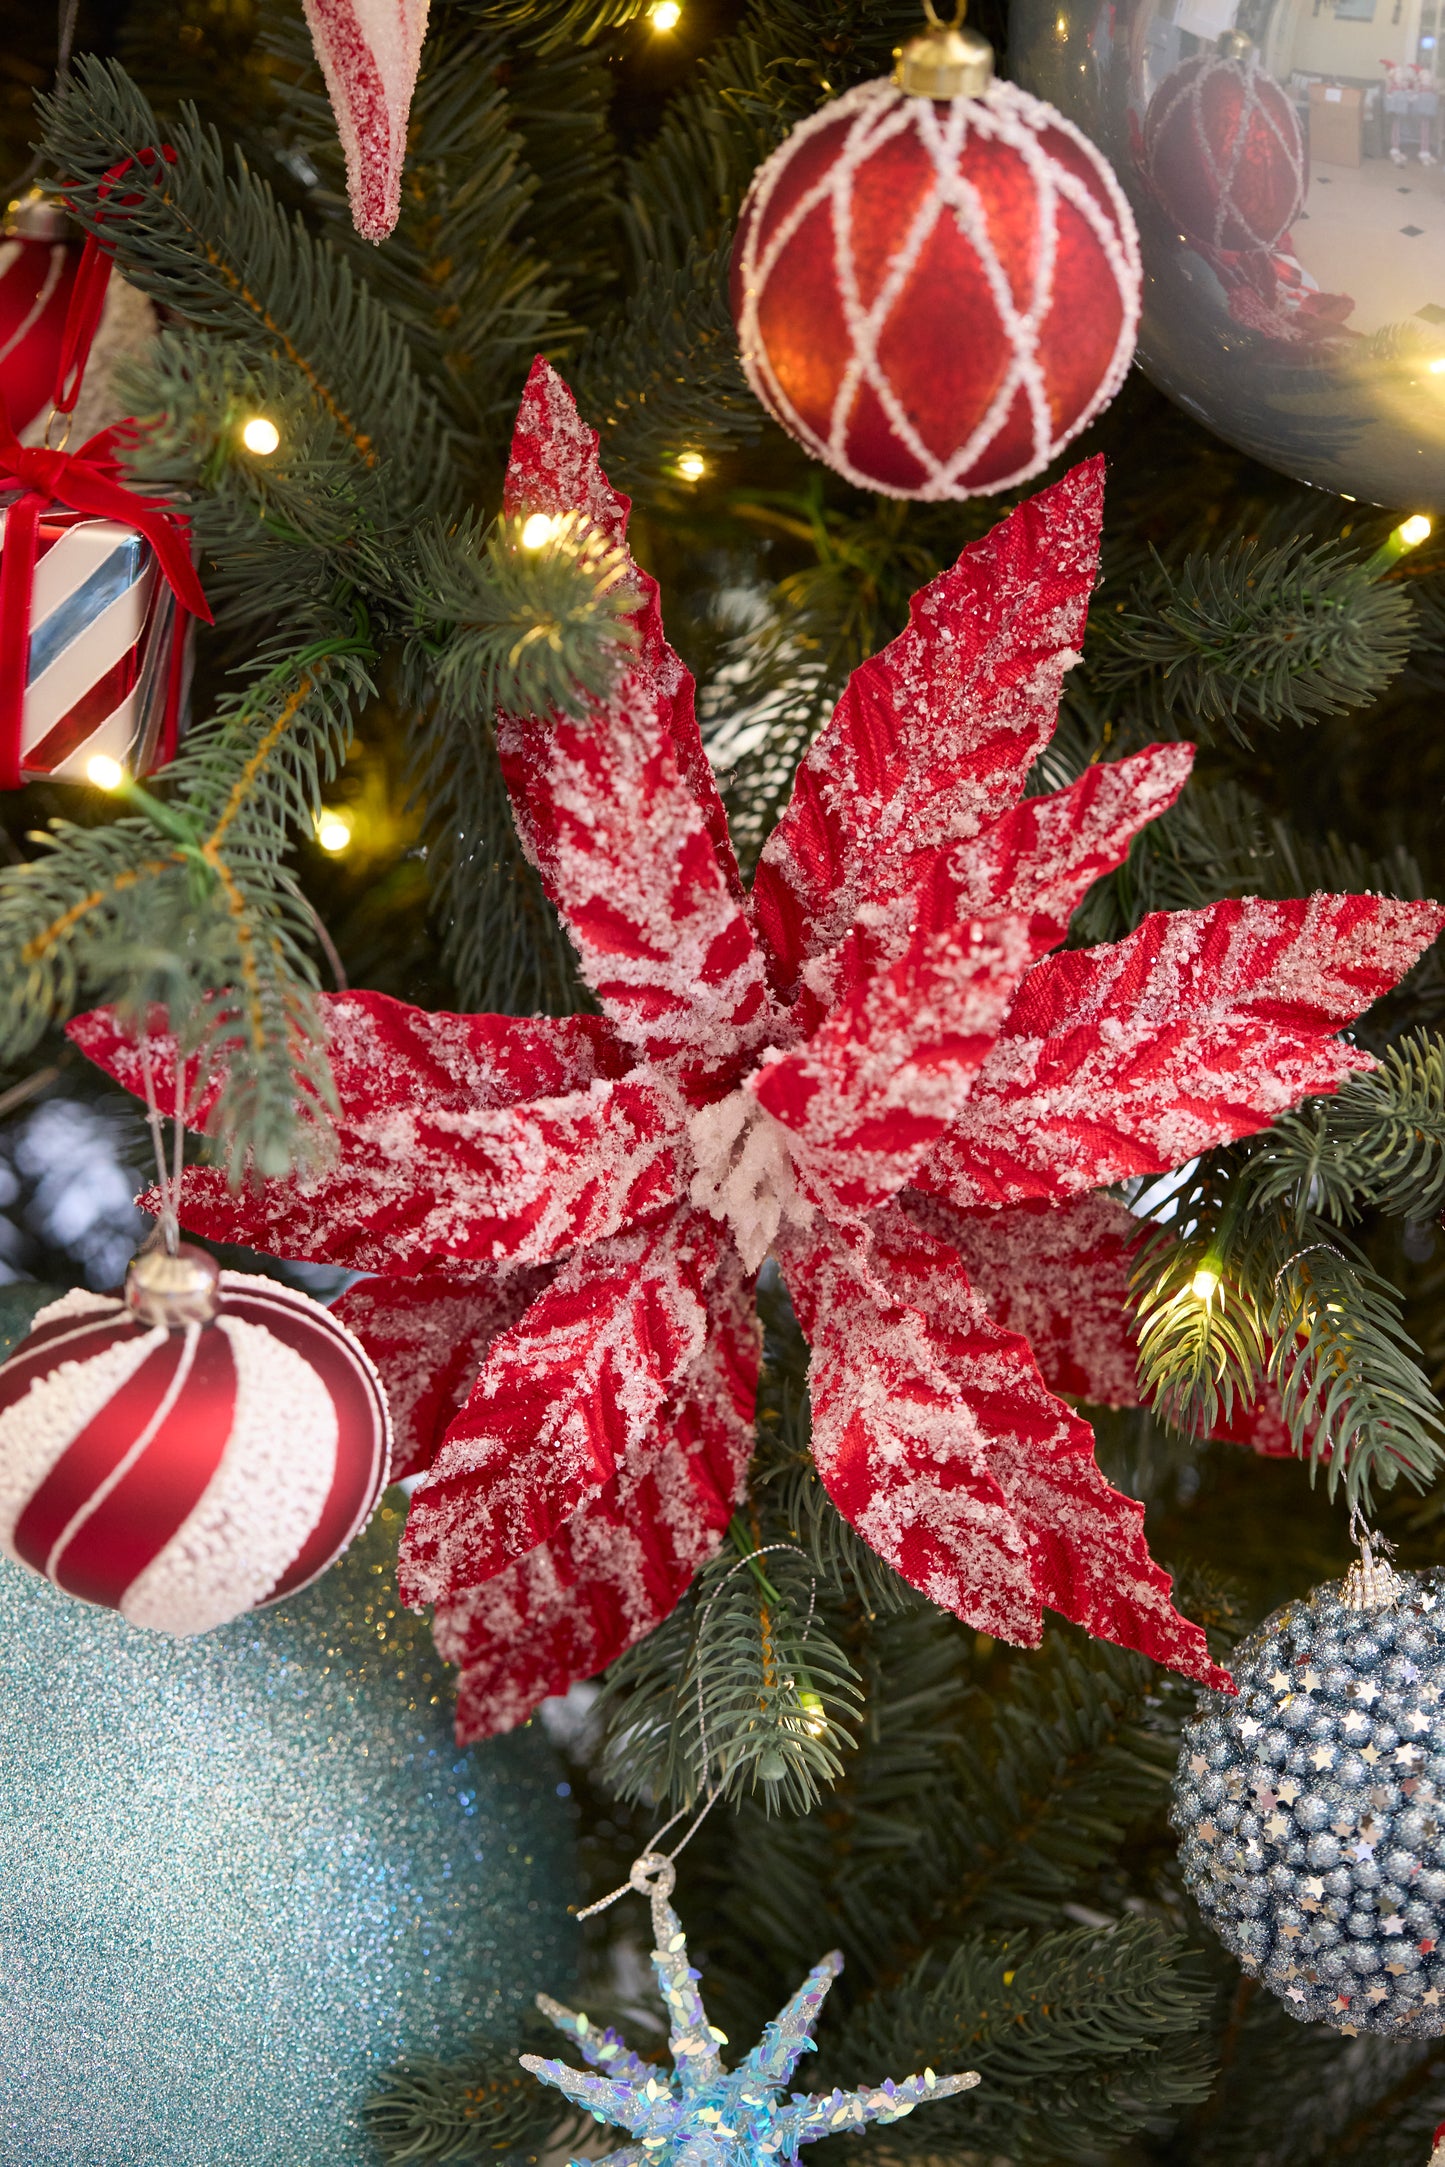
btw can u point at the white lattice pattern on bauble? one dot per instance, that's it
(1003, 115)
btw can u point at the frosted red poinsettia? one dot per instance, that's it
(872, 1066)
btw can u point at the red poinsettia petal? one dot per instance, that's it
(555, 467)
(385, 1051)
(888, 1069)
(937, 1437)
(609, 807)
(564, 1395)
(1036, 862)
(435, 1158)
(1198, 1028)
(429, 1336)
(928, 976)
(935, 734)
(621, 1563)
(1058, 1276)
(410, 1187)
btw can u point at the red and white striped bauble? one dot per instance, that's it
(934, 293)
(183, 1473)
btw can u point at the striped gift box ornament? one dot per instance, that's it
(102, 649)
(206, 1443)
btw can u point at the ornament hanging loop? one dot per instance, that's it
(1370, 1584)
(945, 60)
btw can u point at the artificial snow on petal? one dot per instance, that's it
(872, 1067)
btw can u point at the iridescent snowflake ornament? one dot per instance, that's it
(1312, 1806)
(700, 2114)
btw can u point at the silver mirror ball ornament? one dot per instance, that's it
(1282, 160)
(1311, 1807)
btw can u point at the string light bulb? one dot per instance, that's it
(1400, 540)
(692, 466)
(260, 435)
(1437, 366)
(333, 831)
(1205, 1284)
(538, 531)
(105, 773)
(666, 15)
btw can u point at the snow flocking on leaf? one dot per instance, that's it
(872, 1066)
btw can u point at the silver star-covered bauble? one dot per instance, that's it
(1311, 1808)
(699, 2114)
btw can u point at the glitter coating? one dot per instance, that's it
(700, 2114)
(243, 1875)
(1312, 1810)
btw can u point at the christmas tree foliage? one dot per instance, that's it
(982, 1830)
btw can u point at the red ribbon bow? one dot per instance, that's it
(88, 481)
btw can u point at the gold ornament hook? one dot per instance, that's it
(945, 60)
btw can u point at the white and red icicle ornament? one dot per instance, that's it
(936, 278)
(871, 1066)
(369, 52)
(204, 1443)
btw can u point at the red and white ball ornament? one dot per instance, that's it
(936, 278)
(206, 1443)
(1223, 152)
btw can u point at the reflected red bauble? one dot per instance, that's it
(1223, 153)
(935, 295)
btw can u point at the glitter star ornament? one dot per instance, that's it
(936, 278)
(369, 52)
(870, 1066)
(700, 2114)
(1311, 1808)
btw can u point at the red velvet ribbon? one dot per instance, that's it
(88, 481)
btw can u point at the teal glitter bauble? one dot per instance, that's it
(243, 1875)
(19, 1300)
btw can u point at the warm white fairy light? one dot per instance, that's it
(105, 773)
(333, 831)
(1413, 531)
(538, 531)
(692, 466)
(1205, 1284)
(666, 15)
(260, 435)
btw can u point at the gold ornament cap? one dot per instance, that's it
(173, 1290)
(944, 61)
(1234, 45)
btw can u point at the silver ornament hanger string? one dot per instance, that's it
(168, 1177)
(652, 1873)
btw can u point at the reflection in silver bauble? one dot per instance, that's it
(1293, 303)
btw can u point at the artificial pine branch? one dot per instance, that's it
(1081, 2038)
(1251, 636)
(431, 2113)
